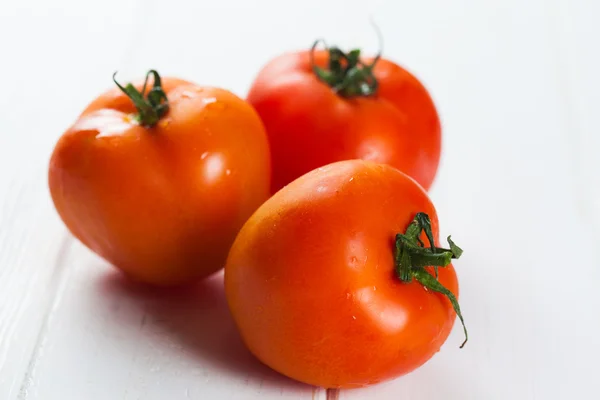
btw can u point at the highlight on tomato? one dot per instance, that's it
(338, 280)
(322, 106)
(157, 177)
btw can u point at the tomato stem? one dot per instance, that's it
(346, 73)
(412, 256)
(150, 107)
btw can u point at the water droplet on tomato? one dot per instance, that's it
(228, 172)
(204, 155)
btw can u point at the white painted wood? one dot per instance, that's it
(578, 61)
(51, 61)
(517, 86)
(116, 338)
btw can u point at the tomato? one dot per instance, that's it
(161, 194)
(330, 281)
(323, 106)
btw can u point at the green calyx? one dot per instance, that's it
(346, 74)
(412, 256)
(151, 106)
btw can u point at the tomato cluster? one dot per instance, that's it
(311, 194)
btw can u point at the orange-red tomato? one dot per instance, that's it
(387, 117)
(161, 198)
(312, 278)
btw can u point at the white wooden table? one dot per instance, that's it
(517, 84)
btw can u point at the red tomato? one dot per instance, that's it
(345, 109)
(330, 281)
(162, 193)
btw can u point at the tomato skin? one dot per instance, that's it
(163, 204)
(311, 285)
(310, 126)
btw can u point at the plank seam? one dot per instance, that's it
(57, 283)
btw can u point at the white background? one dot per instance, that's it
(517, 84)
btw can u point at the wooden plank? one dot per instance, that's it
(52, 56)
(121, 340)
(574, 33)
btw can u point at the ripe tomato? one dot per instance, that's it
(326, 280)
(323, 106)
(161, 194)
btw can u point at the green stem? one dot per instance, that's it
(346, 74)
(412, 256)
(430, 282)
(150, 107)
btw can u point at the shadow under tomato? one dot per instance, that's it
(197, 319)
